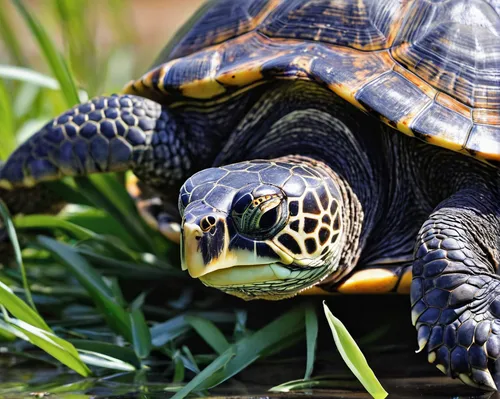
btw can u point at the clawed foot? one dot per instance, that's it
(455, 298)
(153, 212)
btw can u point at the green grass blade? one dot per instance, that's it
(311, 337)
(7, 332)
(256, 345)
(101, 360)
(167, 331)
(353, 356)
(8, 133)
(179, 369)
(53, 345)
(105, 192)
(98, 221)
(10, 36)
(209, 332)
(54, 222)
(11, 231)
(28, 76)
(141, 336)
(124, 354)
(19, 309)
(52, 56)
(206, 373)
(92, 281)
(79, 36)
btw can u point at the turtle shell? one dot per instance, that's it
(429, 68)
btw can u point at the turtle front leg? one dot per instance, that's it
(106, 134)
(455, 293)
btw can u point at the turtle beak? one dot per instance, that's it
(204, 252)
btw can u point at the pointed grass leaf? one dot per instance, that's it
(10, 36)
(99, 360)
(209, 332)
(105, 192)
(27, 75)
(53, 57)
(113, 244)
(167, 331)
(57, 347)
(11, 231)
(141, 335)
(253, 347)
(8, 123)
(19, 309)
(311, 320)
(93, 282)
(8, 333)
(173, 328)
(125, 354)
(206, 373)
(179, 370)
(353, 356)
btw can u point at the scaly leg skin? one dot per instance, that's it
(455, 292)
(106, 134)
(38, 199)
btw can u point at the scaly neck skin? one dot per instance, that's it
(305, 119)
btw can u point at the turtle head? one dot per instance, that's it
(261, 229)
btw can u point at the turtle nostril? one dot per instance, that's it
(207, 223)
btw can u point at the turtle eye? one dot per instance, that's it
(262, 217)
(269, 218)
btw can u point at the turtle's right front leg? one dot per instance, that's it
(106, 134)
(455, 293)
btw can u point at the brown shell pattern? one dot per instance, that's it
(429, 68)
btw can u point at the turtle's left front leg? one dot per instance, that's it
(455, 293)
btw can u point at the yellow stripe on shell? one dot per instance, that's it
(405, 282)
(369, 281)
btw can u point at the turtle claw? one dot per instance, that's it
(484, 379)
(423, 337)
(152, 210)
(171, 230)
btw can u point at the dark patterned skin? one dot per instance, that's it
(257, 94)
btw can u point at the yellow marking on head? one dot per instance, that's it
(405, 282)
(370, 281)
(194, 263)
(248, 275)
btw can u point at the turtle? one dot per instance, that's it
(317, 147)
